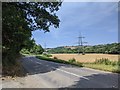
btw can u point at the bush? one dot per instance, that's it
(55, 58)
(24, 51)
(79, 64)
(107, 62)
(114, 63)
(118, 63)
(72, 60)
(103, 61)
(47, 55)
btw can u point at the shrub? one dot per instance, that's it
(55, 58)
(72, 60)
(118, 63)
(25, 51)
(114, 63)
(79, 64)
(103, 61)
(47, 55)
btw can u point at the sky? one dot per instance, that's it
(96, 21)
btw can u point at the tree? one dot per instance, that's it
(113, 48)
(37, 49)
(19, 19)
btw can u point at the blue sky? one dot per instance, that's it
(97, 22)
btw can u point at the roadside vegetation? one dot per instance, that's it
(104, 64)
(55, 59)
(110, 68)
(36, 49)
(14, 68)
(100, 64)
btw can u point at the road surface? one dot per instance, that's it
(45, 74)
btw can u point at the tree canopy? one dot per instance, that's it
(19, 19)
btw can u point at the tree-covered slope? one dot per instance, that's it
(113, 48)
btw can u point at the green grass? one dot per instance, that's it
(104, 64)
(47, 55)
(30, 54)
(42, 57)
(110, 68)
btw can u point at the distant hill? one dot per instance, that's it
(113, 48)
(71, 47)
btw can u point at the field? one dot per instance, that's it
(87, 57)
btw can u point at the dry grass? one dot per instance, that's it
(86, 57)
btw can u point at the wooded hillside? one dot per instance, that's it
(113, 48)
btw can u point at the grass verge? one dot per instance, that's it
(105, 64)
(110, 68)
(59, 61)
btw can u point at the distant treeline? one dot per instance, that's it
(113, 48)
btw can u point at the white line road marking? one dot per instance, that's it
(38, 63)
(66, 72)
(72, 74)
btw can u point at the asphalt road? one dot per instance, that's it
(45, 74)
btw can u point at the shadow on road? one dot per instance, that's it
(34, 66)
(97, 81)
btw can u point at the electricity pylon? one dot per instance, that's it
(80, 44)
